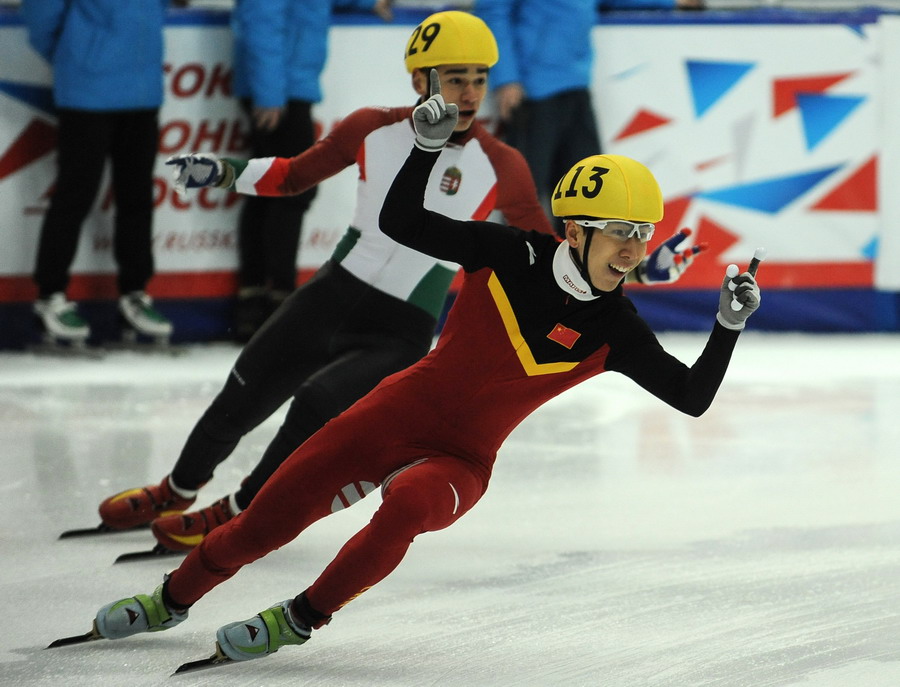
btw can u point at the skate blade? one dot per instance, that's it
(77, 639)
(158, 551)
(216, 659)
(98, 530)
(137, 343)
(73, 349)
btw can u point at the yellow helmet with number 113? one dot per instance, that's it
(451, 38)
(608, 187)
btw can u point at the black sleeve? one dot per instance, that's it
(688, 389)
(470, 244)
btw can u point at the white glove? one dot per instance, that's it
(196, 170)
(434, 120)
(741, 289)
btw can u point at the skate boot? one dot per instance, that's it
(136, 614)
(143, 319)
(61, 322)
(184, 532)
(143, 505)
(262, 634)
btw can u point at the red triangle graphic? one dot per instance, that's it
(717, 236)
(708, 268)
(38, 139)
(673, 216)
(642, 121)
(784, 91)
(859, 192)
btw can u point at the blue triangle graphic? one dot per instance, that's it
(870, 250)
(821, 114)
(711, 80)
(770, 195)
(40, 97)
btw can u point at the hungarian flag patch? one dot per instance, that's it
(563, 335)
(451, 180)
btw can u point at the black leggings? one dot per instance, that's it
(85, 141)
(328, 345)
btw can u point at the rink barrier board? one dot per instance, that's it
(200, 302)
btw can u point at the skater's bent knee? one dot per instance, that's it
(413, 510)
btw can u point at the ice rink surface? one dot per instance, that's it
(620, 543)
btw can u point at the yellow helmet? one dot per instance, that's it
(608, 187)
(450, 38)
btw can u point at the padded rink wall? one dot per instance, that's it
(770, 128)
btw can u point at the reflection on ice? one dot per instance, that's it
(619, 543)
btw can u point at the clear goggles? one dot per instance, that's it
(620, 229)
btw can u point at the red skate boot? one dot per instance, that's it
(184, 532)
(141, 506)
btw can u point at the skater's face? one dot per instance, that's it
(609, 258)
(465, 85)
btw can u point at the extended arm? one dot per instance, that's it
(281, 176)
(692, 389)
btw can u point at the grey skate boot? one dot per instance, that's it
(143, 319)
(262, 634)
(61, 321)
(136, 614)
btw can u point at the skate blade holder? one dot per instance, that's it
(131, 337)
(79, 343)
(63, 347)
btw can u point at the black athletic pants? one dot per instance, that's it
(328, 345)
(85, 140)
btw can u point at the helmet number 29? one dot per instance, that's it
(422, 38)
(590, 189)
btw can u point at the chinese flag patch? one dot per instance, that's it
(563, 335)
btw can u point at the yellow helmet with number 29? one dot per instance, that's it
(451, 38)
(608, 187)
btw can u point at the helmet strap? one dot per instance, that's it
(582, 264)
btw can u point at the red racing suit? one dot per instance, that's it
(521, 332)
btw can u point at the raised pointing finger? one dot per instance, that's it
(434, 82)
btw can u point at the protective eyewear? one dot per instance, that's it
(620, 229)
